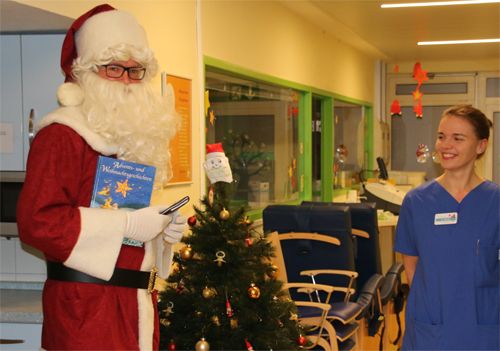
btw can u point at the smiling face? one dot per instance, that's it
(215, 162)
(457, 143)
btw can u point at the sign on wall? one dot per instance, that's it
(180, 146)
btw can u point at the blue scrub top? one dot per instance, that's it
(454, 298)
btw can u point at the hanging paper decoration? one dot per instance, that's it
(420, 76)
(395, 108)
(229, 309)
(248, 345)
(293, 106)
(418, 109)
(208, 111)
(217, 165)
(422, 153)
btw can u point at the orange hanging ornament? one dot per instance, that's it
(395, 108)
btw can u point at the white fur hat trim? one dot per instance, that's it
(70, 94)
(108, 29)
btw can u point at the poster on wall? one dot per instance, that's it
(180, 146)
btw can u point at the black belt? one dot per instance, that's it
(121, 277)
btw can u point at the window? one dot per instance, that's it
(409, 132)
(257, 123)
(349, 151)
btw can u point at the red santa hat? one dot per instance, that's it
(69, 50)
(90, 35)
(214, 150)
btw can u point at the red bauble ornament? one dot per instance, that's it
(172, 346)
(302, 340)
(192, 221)
(249, 241)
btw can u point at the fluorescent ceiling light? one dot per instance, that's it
(448, 42)
(439, 3)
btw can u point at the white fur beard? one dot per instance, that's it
(132, 117)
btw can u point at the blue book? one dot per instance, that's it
(122, 184)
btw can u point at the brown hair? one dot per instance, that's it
(475, 117)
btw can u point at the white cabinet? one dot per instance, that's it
(20, 262)
(19, 336)
(30, 75)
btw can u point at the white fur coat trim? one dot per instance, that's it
(99, 242)
(72, 116)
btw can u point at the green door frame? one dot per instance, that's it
(327, 138)
(304, 162)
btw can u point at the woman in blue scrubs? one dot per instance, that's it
(448, 234)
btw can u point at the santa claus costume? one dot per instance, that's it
(99, 313)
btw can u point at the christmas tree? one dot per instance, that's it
(222, 293)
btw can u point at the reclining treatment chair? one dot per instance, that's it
(364, 218)
(321, 259)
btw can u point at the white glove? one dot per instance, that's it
(145, 224)
(175, 229)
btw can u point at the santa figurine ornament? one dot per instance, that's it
(217, 164)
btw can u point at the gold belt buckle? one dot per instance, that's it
(152, 279)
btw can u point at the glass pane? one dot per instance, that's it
(439, 88)
(348, 145)
(407, 132)
(493, 87)
(257, 123)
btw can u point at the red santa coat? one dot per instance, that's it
(53, 216)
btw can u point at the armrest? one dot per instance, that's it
(349, 291)
(351, 274)
(314, 272)
(360, 233)
(309, 236)
(309, 286)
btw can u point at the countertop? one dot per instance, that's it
(20, 302)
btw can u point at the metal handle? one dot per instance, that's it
(31, 120)
(11, 341)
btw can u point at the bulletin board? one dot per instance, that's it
(180, 146)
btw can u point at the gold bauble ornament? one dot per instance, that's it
(272, 272)
(208, 293)
(202, 345)
(165, 322)
(233, 323)
(253, 291)
(176, 268)
(215, 320)
(186, 252)
(224, 215)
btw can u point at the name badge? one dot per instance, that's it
(445, 218)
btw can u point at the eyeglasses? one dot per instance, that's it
(116, 71)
